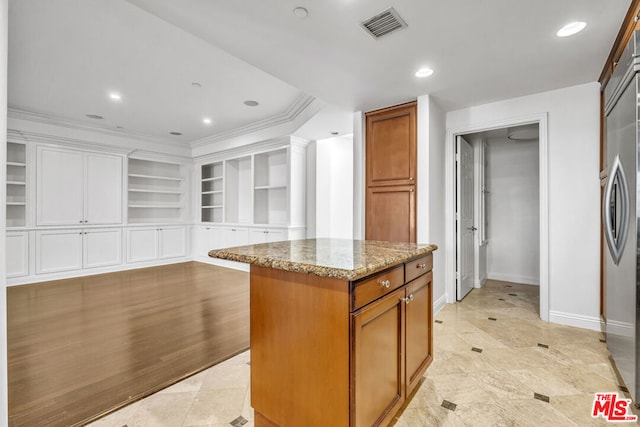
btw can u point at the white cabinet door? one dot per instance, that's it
(102, 247)
(58, 250)
(234, 236)
(142, 244)
(258, 235)
(60, 188)
(173, 242)
(207, 238)
(17, 254)
(276, 235)
(103, 189)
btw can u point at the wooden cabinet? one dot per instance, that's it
(391, 145)
(378, 363)
(75, 249)
(391, 214)
(153, 243)
(355, 352)
(418, 331)
(76, 187)
(391, 168)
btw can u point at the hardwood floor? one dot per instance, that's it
(79, 348)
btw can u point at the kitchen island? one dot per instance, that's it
(341, 330)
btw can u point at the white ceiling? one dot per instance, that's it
(65, 55)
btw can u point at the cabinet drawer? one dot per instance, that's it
(376, 286)
(418, 267)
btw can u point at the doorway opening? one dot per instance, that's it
(497, 209)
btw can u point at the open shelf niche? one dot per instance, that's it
(156, 191)
(16, 184)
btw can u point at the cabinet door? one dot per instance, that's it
(233, 236)
(378, 361)
(142, 244)
(17, 254)
(173, 242)
(60, 187)
(276, 235)
(103, 189)
(207, 238)
(418, 329)
(391, 145)
(102, 247)
(58, 250)
(258, 235)
(391, 214)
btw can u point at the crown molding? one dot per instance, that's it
(295, 109)
(62, 141)
(254, 148)
(15, 113)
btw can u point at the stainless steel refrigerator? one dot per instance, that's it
(621, 215)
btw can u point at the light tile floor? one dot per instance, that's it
(495, 364)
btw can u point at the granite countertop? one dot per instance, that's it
(339, 258)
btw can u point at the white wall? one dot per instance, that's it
(310, 193)
(431, 189)
(513, 211)
(334, 187)
(573, 117)
(3, 157)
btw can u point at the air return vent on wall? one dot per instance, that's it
(384, 23)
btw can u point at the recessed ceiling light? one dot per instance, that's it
(251, 103)
(300, 12)
(571, 29)
(175, 133)
(424, 72)
(115, 96)
(206, 121)
(94, 116)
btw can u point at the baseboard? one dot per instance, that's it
(514, 278)
(479, 283)
(577, 320)
(439, 304)
(223, 263)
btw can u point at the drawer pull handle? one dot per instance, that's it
(385, 283)
(422, 266)
(408, 299)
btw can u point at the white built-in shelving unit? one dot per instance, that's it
(212, 192)
(156, 191)
(16, 184)
(252, 195)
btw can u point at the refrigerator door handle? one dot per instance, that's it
(616, 237)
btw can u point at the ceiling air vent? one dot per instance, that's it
(384, 23)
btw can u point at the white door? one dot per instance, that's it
(258, 235)
(103, 189)
(276, 235)
(60, 187)
(465, 224)
(234, 236)
(173, 242)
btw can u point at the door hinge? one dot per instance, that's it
(457, 216)
(457, 157)
(457, 275)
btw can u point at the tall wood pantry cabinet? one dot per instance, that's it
(391, 168)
